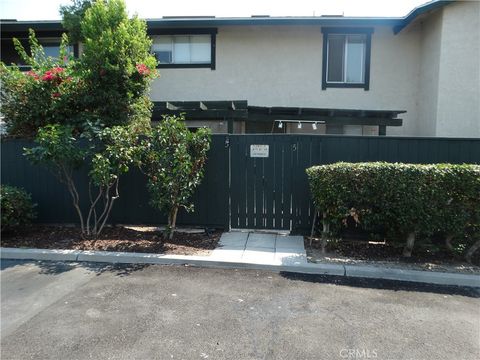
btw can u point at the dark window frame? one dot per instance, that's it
(326, 31)
(190, 31)
(58, 43)
(53, 41)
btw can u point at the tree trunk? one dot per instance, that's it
(110, 199)
(75, 199)
(172, 219)
(407, 250)
(448, 242)
(325, 232)
(471, 251)
(312, 233)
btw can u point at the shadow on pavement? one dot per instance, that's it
(393, 285)
(59, 267)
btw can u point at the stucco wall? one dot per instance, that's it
(430, 48)
(282, 66)
(459, 76)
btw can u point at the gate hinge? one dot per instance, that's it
(227, 142)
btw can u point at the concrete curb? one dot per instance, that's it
(39, 254)
(363, 271)
(431, 277)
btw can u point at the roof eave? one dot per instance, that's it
(397, 24)
(420, 10)
(321, 21)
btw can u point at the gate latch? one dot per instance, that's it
(227, 142)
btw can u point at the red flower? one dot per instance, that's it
(32, 74)
(53, 75)
(56, 94)
(48, 76)
(143, 69)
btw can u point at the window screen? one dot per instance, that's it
(182, 49)
(346, 58)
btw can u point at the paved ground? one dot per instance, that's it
(71, 311)
(261, 248)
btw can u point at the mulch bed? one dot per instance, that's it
(370, 252)
(141, 239)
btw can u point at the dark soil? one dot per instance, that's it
(117, 238)
(371, 251)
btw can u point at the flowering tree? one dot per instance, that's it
(46, 94)
(88, 111)
(116, 65)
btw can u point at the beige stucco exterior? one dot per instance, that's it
(428, 79)
(430, 69)
(458, 106)
(282, 66)
(449, 82)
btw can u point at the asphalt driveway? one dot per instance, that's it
(91, 311)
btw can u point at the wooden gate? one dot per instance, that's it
(268, 183)
(271, 191)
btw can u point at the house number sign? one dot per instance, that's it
(259, 151)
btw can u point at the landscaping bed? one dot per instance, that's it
(143, 239)
(349, 252)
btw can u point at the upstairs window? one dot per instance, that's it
(184, 50)
(346, 57)
(51, 47)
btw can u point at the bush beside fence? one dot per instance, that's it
(401, 202)
(16, 207)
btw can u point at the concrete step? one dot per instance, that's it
(259, 256)
(233, 240)
(258, 240)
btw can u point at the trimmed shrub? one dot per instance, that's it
(400, 201)
(17, 207)
(174, 160)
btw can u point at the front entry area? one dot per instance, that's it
(260, 248)
(268, 184)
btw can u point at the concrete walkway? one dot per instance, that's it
(261, 248)
(259, 251)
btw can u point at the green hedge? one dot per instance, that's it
(400, 201)
(17, 207)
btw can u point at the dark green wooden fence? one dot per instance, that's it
(54, 205)
(239, 191)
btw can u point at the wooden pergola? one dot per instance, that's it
(239, 110)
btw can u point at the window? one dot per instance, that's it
(52, 49)
(185, 50)
(346, 57)
(50, 46)
(334, 129)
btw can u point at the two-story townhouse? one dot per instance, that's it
(325, 74)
